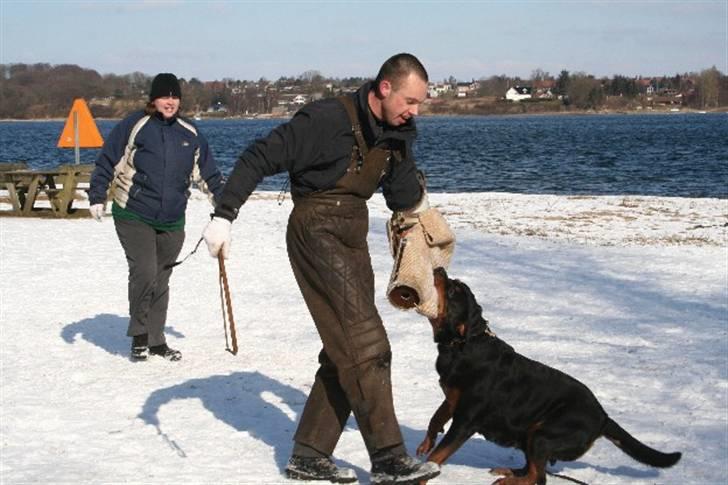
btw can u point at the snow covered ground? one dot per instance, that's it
(627, 294)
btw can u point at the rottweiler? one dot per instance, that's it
(512, 400)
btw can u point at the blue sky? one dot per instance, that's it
(211, 39)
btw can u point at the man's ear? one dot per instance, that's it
(385, 88)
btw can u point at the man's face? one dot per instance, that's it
(401, 104)
(167, 105)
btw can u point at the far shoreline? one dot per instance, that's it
(453, 114)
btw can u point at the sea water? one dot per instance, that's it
(676, 154)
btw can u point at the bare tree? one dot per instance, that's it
(707, 88)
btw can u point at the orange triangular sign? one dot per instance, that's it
(88, 134)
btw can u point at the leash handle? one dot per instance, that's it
(227, 305)
(177, 263)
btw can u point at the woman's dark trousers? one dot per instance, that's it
(148, 251)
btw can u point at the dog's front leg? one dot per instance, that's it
(440, 418)
(458, 433)
(455, 436)
(437, 425)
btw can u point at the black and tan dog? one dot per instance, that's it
(512, 400)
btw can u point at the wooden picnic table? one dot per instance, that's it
(59, 185)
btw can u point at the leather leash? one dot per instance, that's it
(177, 263)
(227, 304)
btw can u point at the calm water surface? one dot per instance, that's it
(670, 155)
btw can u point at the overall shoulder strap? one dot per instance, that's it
(348, 103)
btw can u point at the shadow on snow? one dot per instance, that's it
(268, 410)
(106, 331)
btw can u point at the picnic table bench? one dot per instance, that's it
(58, 186)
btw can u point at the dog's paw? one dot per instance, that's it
(507, 472)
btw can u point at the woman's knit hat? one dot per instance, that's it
(165, 84)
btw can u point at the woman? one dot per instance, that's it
(150, 159)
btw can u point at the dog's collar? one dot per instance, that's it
(460, 341)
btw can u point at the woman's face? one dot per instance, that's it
(167, 105)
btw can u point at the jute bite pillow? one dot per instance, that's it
(417, 250)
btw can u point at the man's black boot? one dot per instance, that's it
(165, 352)
(401, 469)
(317, 468)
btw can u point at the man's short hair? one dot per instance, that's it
(398, 67)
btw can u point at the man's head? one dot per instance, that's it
(399, 89)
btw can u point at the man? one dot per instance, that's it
(337, 153)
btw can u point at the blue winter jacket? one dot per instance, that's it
(151, 174)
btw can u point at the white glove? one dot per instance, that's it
(97, 211)
(217, 236)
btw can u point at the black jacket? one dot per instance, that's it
(315, 148)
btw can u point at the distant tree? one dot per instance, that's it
(494, 86)
(674, 82)
(195, 96)
(350, 82)
(707, 89)
(311, 76)
(539, 74)
(723, 91)
(562, 82)
(139, 83)
(584, 91)
(621, 86)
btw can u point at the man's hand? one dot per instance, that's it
(97, 211)
(427, 444)
(217, 236)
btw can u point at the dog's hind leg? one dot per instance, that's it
(534, 473)
(510, 472)
(538, 447)
(550, 442)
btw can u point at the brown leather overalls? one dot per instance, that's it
(327, 248)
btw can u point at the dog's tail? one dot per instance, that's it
(636, 449)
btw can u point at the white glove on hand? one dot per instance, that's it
(97, 211)
(217, 236)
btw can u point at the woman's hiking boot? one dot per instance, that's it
(139, 348)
